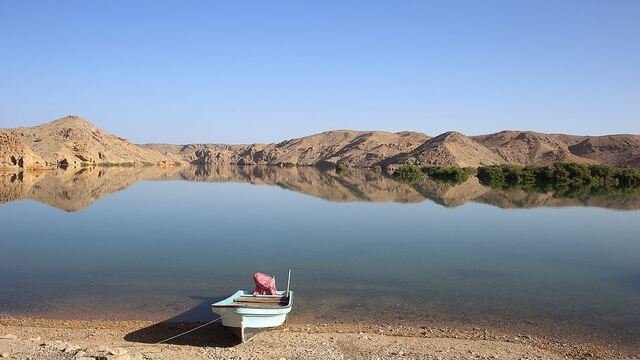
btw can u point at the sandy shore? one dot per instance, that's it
(27, 338)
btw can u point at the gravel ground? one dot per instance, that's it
(24, 338)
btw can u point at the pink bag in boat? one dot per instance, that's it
(265, 284)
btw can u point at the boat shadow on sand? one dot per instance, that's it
(212, 335)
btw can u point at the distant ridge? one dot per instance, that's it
(73, 141)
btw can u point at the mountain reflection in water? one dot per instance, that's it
(75, 189)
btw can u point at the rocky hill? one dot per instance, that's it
(450, 148)
(70, 141)
(528, 147)
(618, 150)
(73, 141)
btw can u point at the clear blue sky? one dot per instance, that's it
(232, 71)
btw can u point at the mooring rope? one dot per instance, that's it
(186, 332)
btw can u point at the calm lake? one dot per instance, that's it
(151, 243)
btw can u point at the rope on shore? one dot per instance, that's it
(186, 332)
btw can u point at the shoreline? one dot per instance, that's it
(37, 338)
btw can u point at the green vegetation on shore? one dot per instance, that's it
(447, 174)
(565, 179)
(408, 173)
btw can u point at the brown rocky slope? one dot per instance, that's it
(528, 147)
(15, 154)
(73, 141)
(352, 148)
(69, 141)
(377, 148)
(617, 150)
(450, 148)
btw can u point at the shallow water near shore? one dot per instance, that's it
(163, 243)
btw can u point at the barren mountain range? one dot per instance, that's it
(73, 141)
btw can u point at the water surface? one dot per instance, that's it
(151, 243)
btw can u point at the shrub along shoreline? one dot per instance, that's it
(564, 179)
(447, 174)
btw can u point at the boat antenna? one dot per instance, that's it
(288, 282)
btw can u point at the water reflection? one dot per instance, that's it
(75, 189)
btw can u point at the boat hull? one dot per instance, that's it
(246, 322)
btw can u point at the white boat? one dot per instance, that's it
(247, 314)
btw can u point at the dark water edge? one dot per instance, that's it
(152, 243)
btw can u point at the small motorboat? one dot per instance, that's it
(246, 314)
